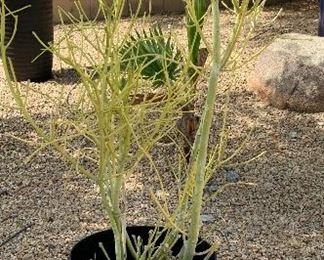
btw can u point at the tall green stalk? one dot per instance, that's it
(195, 14)
(199, 153)
(199, 164)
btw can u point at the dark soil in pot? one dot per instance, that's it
(88, 248)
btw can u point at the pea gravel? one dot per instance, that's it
(46, 207)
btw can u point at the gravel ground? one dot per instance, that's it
(280, 217)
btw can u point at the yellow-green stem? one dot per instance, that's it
(204, 131)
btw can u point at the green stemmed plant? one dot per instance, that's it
(118, 135)
(154, 51)
(157, 57)
(195, 14)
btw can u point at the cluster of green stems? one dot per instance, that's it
(113, 160)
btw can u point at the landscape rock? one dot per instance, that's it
(289, 73)
(293, 135)
(232, 176)
(4, 192)
(207, 218)
(211, 188)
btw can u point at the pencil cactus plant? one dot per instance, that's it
(119, 134)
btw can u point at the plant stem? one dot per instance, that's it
(117, 187)
(196, 10)
(204, 131)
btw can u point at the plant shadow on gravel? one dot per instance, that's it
(43, 195)
(69, 76)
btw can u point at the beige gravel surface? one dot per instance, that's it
(280, 217)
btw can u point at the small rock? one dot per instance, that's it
(293, 135)
(232, 176)
(4, 192)
(228, 232)
(212, 188)
(207, 218)
(320, 138)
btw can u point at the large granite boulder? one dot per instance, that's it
(289, 73)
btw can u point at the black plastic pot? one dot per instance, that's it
(25, 47)
(88, 248)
